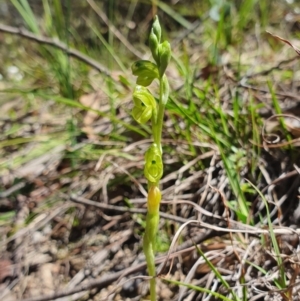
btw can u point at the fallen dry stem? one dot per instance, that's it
(57, 44)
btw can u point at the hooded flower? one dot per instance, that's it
(154, 165)
(144, 105)
(146, 72)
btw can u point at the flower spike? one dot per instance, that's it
(146, 108)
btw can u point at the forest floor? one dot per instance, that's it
(72, 190)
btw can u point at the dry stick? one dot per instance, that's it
(57, 44)
(85, 201)
(6, 193)
(240, 228)
(276, 67)
(37, 223)
(243, 84)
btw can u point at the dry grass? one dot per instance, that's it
(72, 197)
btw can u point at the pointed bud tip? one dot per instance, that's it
(156, 28)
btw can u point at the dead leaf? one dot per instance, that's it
(95, 101)
(285, 41)
(293, 125)
(6, 269)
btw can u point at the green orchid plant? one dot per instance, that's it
(147, 108)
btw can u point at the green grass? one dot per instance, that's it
(281, 282)
(219, 276)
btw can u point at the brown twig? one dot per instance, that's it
(243, 84)
(57, 44)
(87, 202)
(271, 69)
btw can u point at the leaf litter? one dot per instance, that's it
(76, 222)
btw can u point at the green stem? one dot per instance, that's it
(146, 106)
(152, 220)
(153, 289)
(157, 123)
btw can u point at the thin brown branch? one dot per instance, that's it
(88, 202)
(57, 44)
(278, 66)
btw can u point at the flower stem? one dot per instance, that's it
(153, 289)
(158, 122)
(152, 220)
(146, 107)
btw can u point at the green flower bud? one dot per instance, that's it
(154, 165)
(153, 200)
(164, 54)
(154, 45)
(144, 104)
(146, 72)
(156, 28)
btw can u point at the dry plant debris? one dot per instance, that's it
(72, 211)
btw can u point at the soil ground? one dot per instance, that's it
(72, 191)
